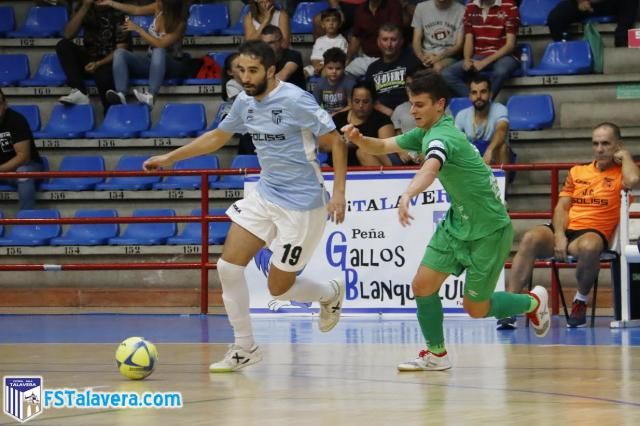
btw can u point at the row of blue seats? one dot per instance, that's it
(95, 163)
(204, 19)
(15, 71)
(108, 233)
(560, 58)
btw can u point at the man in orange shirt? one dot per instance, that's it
(584, 220)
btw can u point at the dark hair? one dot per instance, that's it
(272, 30)
(335, 54)
(255, 11)
(613, 127)
(225, 74)
(174, 12)
(479, 78)
(327, 13)
(363, 84)
(390, 28)
(430, 83)
(260, 50)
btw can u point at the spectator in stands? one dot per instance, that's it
(263, 13)
(438, 33)
(370, 123)
(102, 35)
(288, 61)
(569, 11)
(387, 74)
(486, 123)
(330, 19)
(230, 80)
(164, 58)
(490, 29)
(18, 153)
(333, 90)
(369, 17)
(404, 122)
(347, 9)
(584, 219)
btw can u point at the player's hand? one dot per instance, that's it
(337, 207)
(403, 210)
(352, 133)
(619, 155)
(487, 157)
(91, 67)
(560, 247)
(157, 162)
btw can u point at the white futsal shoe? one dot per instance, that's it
(539, 318)
(427, 361)
(330, 311)
(236, 358)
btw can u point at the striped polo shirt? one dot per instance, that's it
(490, 25)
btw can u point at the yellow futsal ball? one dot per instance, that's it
(136, 358)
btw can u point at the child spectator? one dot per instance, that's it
(333, 91)
(330, 21)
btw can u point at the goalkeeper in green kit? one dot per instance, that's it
(476, 234)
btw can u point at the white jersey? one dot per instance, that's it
(284, 127)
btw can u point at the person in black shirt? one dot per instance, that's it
(288, 62)
(18, 153)
(102, 35)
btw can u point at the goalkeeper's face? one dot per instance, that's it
(604, 144)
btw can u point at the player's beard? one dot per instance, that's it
(256, 90)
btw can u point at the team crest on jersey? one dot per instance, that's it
(608, 183)
(276, 116)
(250, 114)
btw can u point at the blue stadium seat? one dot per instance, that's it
(219, 57)
(192, 233)
(76, 163)
(302, 19)
(7, 20)
(190, 182)
(134, 183)
(458, 104)
(530, 112)
(223, 110)
(144, 21)
(178, 121)
(49, 73)
(565, 57)
(68, 122)
(145, 234)
(145, 82)
(322, 157)
(237, 181)
(602, 19)
(535, 12)
(81, 234)
(207, 19)
(32, 235)
(45, 21)
(13, 69)
(31, 113)
(524, 48)
(237, 28)
(123, 121)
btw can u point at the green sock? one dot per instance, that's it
(431, 319)
(505, 304)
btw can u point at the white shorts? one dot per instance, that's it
(292, 235)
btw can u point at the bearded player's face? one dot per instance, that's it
(253, 75)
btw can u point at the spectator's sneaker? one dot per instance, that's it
(427, 361)
(578, 317)
(509, 323)
(115, 98)
(330, 311)
(236, 358)
(144, 98)
(75, 97)
(540, 319)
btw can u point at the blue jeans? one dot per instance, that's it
(26, 186)
(500, 70)
(157, 66)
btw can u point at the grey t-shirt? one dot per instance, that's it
(440, 28)
(334, 98)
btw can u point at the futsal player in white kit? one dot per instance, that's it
(288, 211)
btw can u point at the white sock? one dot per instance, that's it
(235, 295)
(307, 290)
(581, 297)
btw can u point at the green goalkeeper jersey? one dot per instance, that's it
(476, 208)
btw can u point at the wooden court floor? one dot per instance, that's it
(351, 379)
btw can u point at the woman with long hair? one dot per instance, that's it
(263, 13)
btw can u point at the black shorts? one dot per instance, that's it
(573, 234)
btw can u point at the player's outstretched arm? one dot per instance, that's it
(370, 145)
(337, 204)
(421, 181)
(204, 144)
